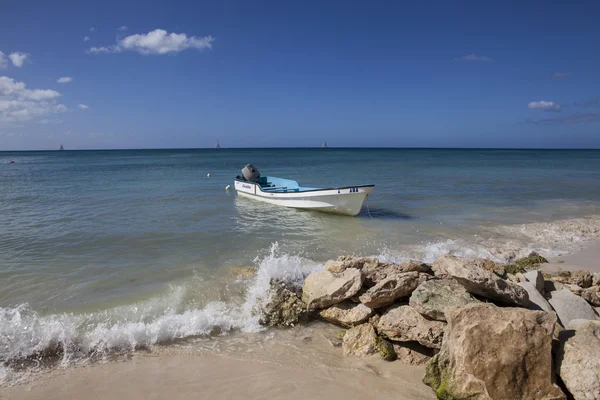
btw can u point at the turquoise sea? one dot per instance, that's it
(104, 250)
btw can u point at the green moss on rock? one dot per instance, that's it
(385, 348)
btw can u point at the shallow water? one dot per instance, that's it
(105, 249)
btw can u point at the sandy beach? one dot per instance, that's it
(294, 364)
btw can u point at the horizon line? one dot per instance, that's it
(306, 148)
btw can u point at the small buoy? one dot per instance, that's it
(227, 188)
(12, 161)
(208, 175)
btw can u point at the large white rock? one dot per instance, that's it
(404, 324)
(536, 300)
(569, 306)
(479, 281)
(493, 353)
(578, 359)
(392, 288)
(592, 295)
(323, 289)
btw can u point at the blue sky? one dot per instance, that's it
(283, 73)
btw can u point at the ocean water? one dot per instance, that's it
(106, 251)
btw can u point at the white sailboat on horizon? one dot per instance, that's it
(324, 145)
(217, 146)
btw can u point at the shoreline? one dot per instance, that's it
(290, 363)
(295, 363)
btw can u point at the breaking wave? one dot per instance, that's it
(28, 338)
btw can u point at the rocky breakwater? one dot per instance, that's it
(484, 331)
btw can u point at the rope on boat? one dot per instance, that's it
(368, 210)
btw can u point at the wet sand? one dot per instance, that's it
(587, 258)
(295, 364)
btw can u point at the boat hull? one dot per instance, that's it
(343, 201)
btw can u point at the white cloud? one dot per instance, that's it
(544, 105)
(123, 28)
(93, 29)
(157, 41)
(83, 106)
(472, 57)
(100, 50)
(3, 61)
(18, 58)
(17, 103)
(85, 39)
(64, 79)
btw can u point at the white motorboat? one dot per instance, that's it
(347, 200)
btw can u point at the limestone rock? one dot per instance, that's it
(536, 300)
(551, 286)
(284, 306)
(347, 314)
(596, 279)
(569, 306)
(412, 353)
(322, 289)
(359, 341)
(536, 278)
(384, 348)
(491, 352)
(578, 359)
(391, 288)
(345, 262)
(480, 282)
(592, 295)
(431, 298)
(573, 288)
(491, 266)
(404, 324)
(375, 273)
(581, 278)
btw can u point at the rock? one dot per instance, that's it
(512, 278)
(384, 348)
(551, 286)
(520, 277)
(345, 262)
(375, 273)
(323, 289)
(573, 288)
(536, 300)
(581, 278)
(359, 341)
(531, 261)
(480, 282)
(392, 288)
(569, 306)
(347, 314)
(536, 278)
(284, 307)
(596, 279)
(412, 353)
(489, 265)
(433, 297)
(404, 324)
(592, 295)
(491, 352)
(578, 359)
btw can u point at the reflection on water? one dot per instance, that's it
(312, 233)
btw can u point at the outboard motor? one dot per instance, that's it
(250, 173)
